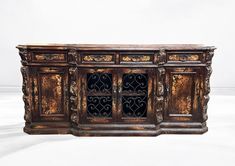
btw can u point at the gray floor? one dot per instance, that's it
(216, 147)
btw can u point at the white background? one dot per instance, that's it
(209, 22)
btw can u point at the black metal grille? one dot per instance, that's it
(99, 83)
(134, 95)
(134, 106)
(99, 98)
(99, 106)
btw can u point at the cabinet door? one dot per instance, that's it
(98, 95)
(135, 95)
(183, 94)
(50, 85)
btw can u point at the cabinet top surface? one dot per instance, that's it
(117, 46)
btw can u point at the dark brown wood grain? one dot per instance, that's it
(169, 88)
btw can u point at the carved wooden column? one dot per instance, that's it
(73, 87)
(26, 86)
(208, 70)
(160, 85)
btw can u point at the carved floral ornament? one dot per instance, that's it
(73, 89)
(98, 58)
(136, 58)
(161, 56)
(73, 56)
(183, 57)
(49, 57)
(160, 93)
(26, 95)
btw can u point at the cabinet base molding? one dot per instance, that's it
(117, 129)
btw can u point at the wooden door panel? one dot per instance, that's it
(183, 94)
(50, 94)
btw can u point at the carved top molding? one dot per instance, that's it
(117, 46)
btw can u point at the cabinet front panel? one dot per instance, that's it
(98, 99)
(49, 88)
(135, 95)
(183, 94)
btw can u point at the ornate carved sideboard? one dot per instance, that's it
(106, 90)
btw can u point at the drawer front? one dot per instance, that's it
(48, 57)
(136, 58)
(184, 57)
(98, 57)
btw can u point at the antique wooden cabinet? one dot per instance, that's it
(96, 90)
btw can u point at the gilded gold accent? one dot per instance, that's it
(136, 58)
(98, 58)
(43, 57)
(183, 57)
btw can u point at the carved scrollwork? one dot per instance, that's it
(160, 94)
(73, 90)
(183, 57)
(26, 94)
(73, 56)
(161, 57)
(136, 58)
(74, 117)
(98, 58)
(208, 57)
(49, 57)
(161, 73)
(24, 56)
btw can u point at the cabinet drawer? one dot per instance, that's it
(48, 57)
(98, 57)
(136, 58)
(184, 57)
